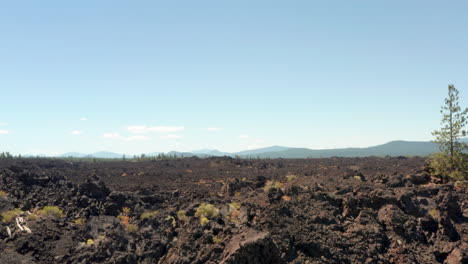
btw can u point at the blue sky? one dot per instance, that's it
(146, 76)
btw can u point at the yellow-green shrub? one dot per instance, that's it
(53, 211)
(181, 215)
(291, 177)
(9, 215)
(441, 166)
(206, 212)
(272, 184)
(149, 214)
(131, 228)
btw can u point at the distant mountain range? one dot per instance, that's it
(393, 148)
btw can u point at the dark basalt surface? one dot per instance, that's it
(335, 210)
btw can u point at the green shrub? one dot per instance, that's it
(10, 215)
(126, 210)
(206, 212)
(441, 166)
(181, 215)
(147, 215)
(53, 211)
(131, 228)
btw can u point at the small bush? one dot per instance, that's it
(441, 167)
(181, 215)
(148, 215)
(89, 242)
(291, 177)
(52, 211)
(206, 212)
(204, 221)
(235, 206)
(3, 194)
(126, 210)
(10, 215)
(131, 228)
(217, 239)
(434, 213)
(172, 219)
(79, 221)
(32, 217)
(272, 184)
(124, 220)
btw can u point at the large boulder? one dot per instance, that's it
(251, 247)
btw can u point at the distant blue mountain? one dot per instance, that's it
(72, 155)
(253, 152)
(104, 155)
(393, 148)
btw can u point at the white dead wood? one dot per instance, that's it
(27, 229)
(18, 224)
(8, 231)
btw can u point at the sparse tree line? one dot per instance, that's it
(8, 155)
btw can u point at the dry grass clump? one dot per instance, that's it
(125, 220)
(3, 194)
(182, 216)
(272, 184)
(217, 239)
(206, 212)
(291, 177)
(434, 213)
(131, 228)
(9, 215)
(148, 215)
(32, 217)
(52, 211)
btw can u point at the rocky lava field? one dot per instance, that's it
(225, 210)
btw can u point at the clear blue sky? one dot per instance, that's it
(228, 75)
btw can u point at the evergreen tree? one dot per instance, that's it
(452, 160)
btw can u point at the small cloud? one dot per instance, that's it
(243, 136)
(214, 129)
(76, 132)
(83, 119)
(171, 136)
(161, 129)
(4, 132)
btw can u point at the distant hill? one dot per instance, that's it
(72, 155)
(254, 152)
(104, 155)
(211, 152)
(393, 148)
